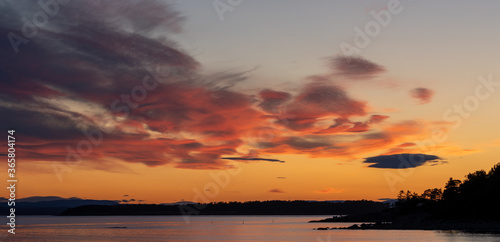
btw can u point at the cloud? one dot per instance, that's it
(330, 190)
(401, 161)
(276, 191)
(380, 137)
(85, 68)
(422, 95)
(407, 144)
(356, 67)
(328, 98)
(115, 63)
(281, 177)
(127, 200)
(273, 99)
(307, 143)
(250, 158)
(317, 99)
(345, 125)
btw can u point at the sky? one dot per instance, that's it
(207, 101)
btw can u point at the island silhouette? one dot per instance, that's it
(274, 207)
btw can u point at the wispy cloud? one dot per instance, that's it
(356, 67)
(276, 191)
(422, 95)
(330, 190)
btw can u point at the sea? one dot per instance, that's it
(211, 228)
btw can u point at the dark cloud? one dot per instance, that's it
(401, 161)
(276, 191)
(71, 54)
(330, 98)
(281, 177)
(250, 158)
(422, 95)
(91, 54)
(42, 123)
(356, 67)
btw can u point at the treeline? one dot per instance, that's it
(476, 197)
(235, 208)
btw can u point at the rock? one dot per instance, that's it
(323, 228)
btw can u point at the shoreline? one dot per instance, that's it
(420, 222)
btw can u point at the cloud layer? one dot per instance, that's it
(103, 80)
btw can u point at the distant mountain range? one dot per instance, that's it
(49, 205)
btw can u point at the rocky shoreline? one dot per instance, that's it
(415, 222)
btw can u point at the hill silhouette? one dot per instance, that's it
(48, 205)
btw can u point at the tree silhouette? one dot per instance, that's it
(477, 196)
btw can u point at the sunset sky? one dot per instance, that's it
(223, 100)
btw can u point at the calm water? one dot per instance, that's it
(211, 228)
